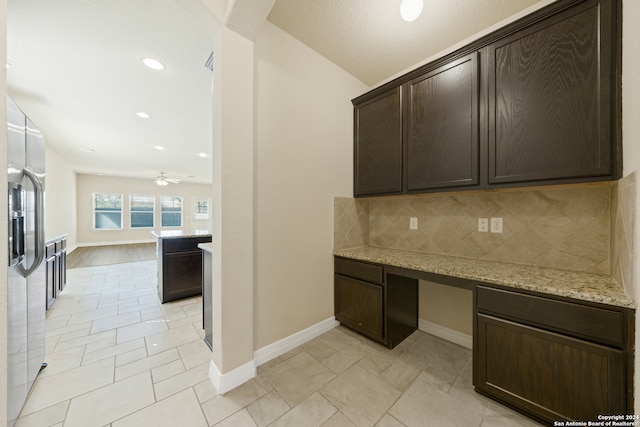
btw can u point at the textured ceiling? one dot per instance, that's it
(370, 40)
(76, 66)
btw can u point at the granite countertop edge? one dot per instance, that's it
(177, 235)
(572, 284)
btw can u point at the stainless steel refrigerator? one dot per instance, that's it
(26, 273)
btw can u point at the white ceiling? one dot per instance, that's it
(76, 68)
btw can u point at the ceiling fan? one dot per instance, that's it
(162, 180)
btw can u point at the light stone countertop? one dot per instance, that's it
(172, 234)
(207, 247)
(572, 284)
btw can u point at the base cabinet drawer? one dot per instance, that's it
(548, 375)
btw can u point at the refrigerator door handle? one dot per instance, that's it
(39, 226)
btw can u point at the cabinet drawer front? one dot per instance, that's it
(595, 324)
(184, 244)
(359, 270)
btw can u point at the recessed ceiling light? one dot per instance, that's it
(142, 115)
(411, 9)
(159, 147)
(9, 65)
(89, 150)
(202, 154)
(154, 64)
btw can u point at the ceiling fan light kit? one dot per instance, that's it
(162, 180)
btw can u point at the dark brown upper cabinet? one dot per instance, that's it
(534, 103)
(441, 116)
(378, 144)
(551, 95)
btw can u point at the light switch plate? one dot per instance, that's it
(413, 223)
(496, 225)
(483, 225)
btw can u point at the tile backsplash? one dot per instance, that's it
(623, 231)
(567, 227)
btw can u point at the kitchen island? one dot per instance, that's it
(179, 263)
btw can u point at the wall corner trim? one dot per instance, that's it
(232, 379)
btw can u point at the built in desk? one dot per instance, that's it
(553, 344)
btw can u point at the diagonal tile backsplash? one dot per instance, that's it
(567, 227)
(623, 228)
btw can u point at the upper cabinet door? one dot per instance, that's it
(441, 111)
(552, 89)
(378, 144)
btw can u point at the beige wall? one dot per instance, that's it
(631, 138)
(89, 184)
(233, 182)
(304, 131)
(60, 199)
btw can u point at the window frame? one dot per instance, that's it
(132, 211)
(95, 211)
(162, 198)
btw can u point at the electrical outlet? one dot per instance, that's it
(413, 223)
(483, 225)
(496, 225)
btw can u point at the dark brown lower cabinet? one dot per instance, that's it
(358, 305)
(383, 307)
(527, 357)
(547, 374)
(180, 267)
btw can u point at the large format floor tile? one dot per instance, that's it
(119, 358)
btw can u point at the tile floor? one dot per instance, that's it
(119, 358)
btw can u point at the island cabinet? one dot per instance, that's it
(378, 144)
(552, 91)
(180, 266)
(383, 307)
(534, 103)
(554, 359)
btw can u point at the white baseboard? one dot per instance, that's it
(278, 348)
(445, 333)
(120, 242)
(232, 379)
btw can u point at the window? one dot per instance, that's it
(142, 210)
(201, 209)
(171, 211)
(107, 211)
